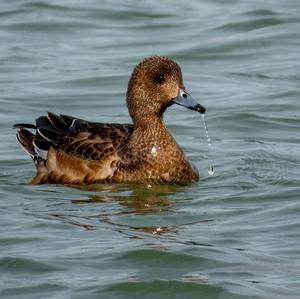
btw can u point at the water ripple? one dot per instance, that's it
(232, 235)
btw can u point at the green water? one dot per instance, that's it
(235, 234)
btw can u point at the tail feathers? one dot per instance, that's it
(35, 146)
(26, 139)
(39, 152)
(48, 130)
(28, 126)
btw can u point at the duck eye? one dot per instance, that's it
(160, 78)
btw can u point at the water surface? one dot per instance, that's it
(231, 235)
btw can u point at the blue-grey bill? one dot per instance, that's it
(186, 100)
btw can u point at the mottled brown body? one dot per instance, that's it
(67, 150)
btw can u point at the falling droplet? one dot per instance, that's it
(211, 168)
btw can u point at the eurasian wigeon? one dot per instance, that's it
(68, 150)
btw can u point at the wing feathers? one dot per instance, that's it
(57, 122)
(77, 137)
(48, 134)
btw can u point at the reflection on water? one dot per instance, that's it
(141, 201)
(237, 229)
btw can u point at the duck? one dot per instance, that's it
(72, 151)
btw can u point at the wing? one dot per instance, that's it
(76, 137)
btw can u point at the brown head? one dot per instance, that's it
(155, 84)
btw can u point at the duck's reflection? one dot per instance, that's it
(137, 200)
(133, 203)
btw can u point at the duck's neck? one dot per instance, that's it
(146, 119)
(151, 138)
(150, 126)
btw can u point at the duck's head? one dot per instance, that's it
(155, 84)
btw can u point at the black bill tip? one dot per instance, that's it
(200, 109)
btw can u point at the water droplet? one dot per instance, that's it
(211, 169)
(206, 130)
